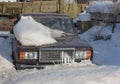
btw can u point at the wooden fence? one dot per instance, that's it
(8, 8)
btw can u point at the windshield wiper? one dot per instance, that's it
(67, 34)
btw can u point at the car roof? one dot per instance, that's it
(47, 15)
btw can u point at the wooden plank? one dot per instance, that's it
(6, 28)
(1, 8)
(49, 6)
(12, 8)
(31, 7)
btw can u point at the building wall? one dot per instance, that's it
(118, 0)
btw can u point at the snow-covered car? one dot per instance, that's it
(67, 47)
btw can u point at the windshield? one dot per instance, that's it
(63, 24)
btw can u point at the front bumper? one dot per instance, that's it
(51, 56)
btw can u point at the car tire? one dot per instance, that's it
(17, 66)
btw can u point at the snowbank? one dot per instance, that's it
(96, 30)
(106, 52)
(70, 75)
(29, 32)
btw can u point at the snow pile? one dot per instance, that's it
(106, 52)
(100, 7)
(30, 32)
(8, 0)
(71, 75)
(96, 30)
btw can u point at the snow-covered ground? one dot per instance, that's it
(106, 54)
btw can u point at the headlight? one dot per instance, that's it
(83, 54)
(28, 55)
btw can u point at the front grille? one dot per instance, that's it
(60, 55)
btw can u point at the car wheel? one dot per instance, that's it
(17, 66)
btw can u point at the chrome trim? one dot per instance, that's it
(51, 56)
(57, 48)
(32, 66)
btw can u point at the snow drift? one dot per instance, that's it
(29, 32)
(105, 52)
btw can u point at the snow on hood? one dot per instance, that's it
(29, 32)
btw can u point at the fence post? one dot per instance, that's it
(3, 8)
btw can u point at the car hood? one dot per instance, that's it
(68, 42)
